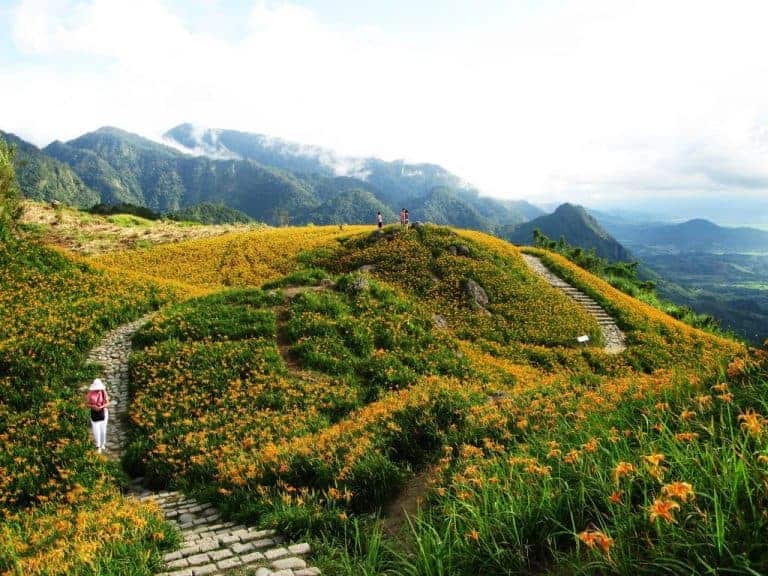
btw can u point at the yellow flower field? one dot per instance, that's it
(310, 412)
(239, 259)
(54, 309)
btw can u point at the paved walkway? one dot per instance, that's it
(614, 338)
(209, 546)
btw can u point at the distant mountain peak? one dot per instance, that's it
(701, 224)
(568, 209)
(114, 131)
(577, 226)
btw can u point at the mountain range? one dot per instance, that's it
(695, 235)
(268, 179)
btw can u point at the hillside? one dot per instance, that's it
(443, 206)
(352, 388)
(350, 206)
(501, 418)
(578, 228)
(43, 178)
(212, 214)
(88, 234)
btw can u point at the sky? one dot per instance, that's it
(599, 102)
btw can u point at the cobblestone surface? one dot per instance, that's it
(209, 545)
(613, 336)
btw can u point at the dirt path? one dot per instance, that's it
(209, 546)
(283, 315)
(615, 341)
(407, 504)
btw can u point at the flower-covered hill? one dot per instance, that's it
(61, 511)
(370, 361)
(236, 259)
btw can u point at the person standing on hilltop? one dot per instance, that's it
(379, 220)
(402, 218)
(97, 400)
(406, 219)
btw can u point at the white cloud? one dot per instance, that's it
(601, 99)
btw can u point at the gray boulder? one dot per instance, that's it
(475, 293)
(460, 250)
(360, 284)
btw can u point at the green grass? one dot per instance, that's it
(521, 510)
(373, 334)
(128, 220)
(229, 315)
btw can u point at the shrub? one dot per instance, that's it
(10, 208)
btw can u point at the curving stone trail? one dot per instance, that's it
(615, 341)
(209, 546)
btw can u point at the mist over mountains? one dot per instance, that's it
(269, 179)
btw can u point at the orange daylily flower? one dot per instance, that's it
(752, 423)
(681, 491)
(623, 469)
(664, 509)
(596, 539)
(615, 497)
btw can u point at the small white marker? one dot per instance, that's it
(582, 339)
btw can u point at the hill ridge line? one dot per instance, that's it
(209, 545)
(615, 340)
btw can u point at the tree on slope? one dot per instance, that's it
(10, 207)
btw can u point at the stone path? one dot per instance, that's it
(209, 546)
(615, 341)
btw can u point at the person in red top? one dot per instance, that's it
(97, 400)
(402, 218)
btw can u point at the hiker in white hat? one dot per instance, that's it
(97, 400)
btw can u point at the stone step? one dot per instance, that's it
(613, 336)
(222, 559)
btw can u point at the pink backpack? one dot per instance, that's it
(95, 398)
